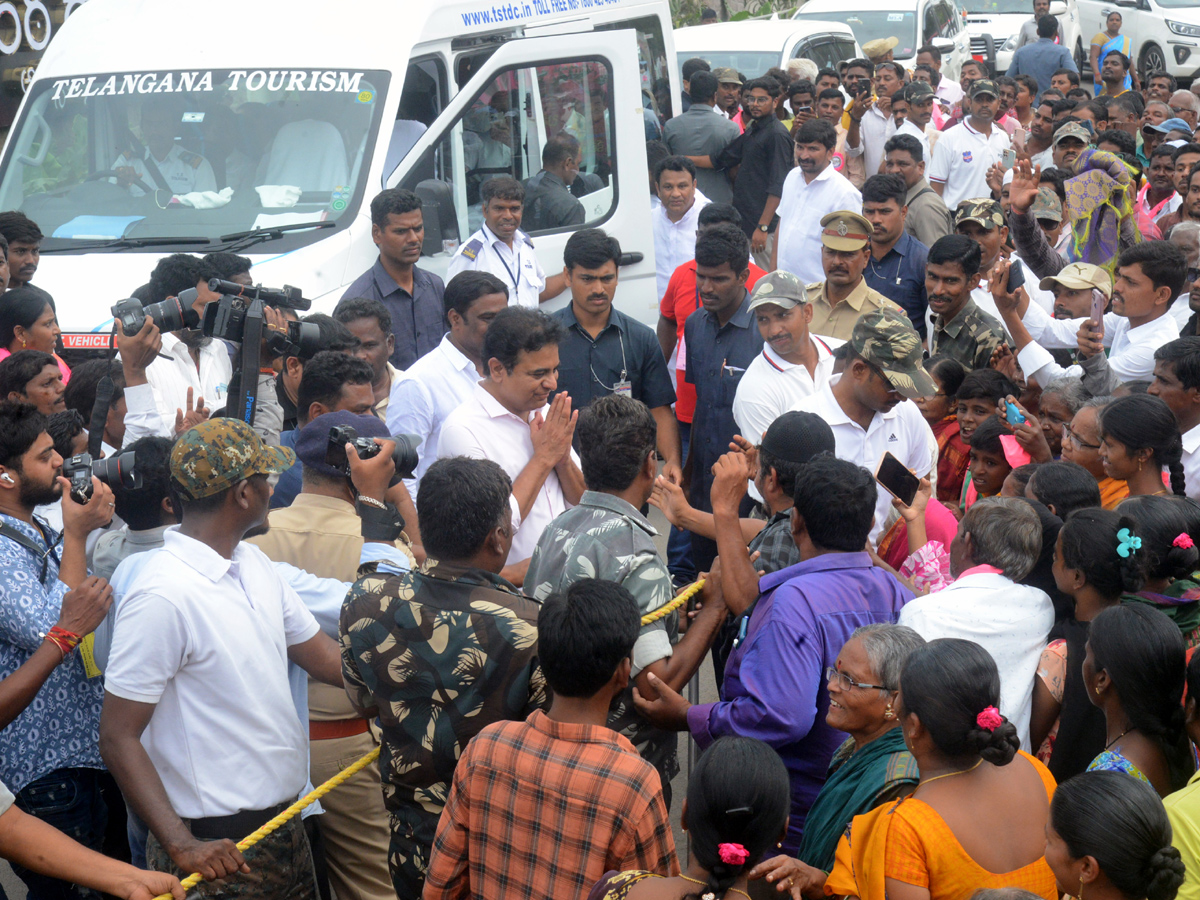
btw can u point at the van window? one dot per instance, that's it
(652, 63)
(421, 101)
(192, 154)
(502, 133)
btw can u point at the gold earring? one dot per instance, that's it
(888, 714)
(22, 343)
(1080, 897)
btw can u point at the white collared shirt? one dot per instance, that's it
(1132, 349)
(873, 132)
(801, 208)
(912, 130)
(1010, 621)
(674, 242)
(482, 428)
(424, 395)
(961, 161)
(205, 639)
(982, 293)
(772, 385)
(517, 266)
(1191, 462)
(902, 431)
(173, 372)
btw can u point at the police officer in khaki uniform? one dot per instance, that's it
(164, 165)
(843, 297)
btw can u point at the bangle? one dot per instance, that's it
(371, 501)
(64, 640)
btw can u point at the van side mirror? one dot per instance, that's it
(943, 45)
(1058, 8)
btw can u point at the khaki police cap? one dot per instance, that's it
(845, 230)
(879, 47)
(779, 288)
(726, 75)
(1079, 276)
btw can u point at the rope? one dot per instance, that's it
(354, 768)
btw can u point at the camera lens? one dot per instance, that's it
(405, 454)
(169, 315)
(117, 471)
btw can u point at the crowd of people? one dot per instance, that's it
(922, 408)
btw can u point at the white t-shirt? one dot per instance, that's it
(772, 385)
(902, 431)
(1010, 621)
(961, 160)
(1191, 462)
(801, 208)
(205, 639)
(482, 428)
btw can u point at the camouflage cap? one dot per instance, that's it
(916, 91)
(984, 86)
(218, 453)
(1080, 276)
(878, 48)
(982, 210)
(779, 288)
(1047, 205)
(1073, 130)
(885, 338)
(845, 230)
(726, 75)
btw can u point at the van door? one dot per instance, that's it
(585, 85)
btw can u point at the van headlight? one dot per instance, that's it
(1011, 43)
(1182, 28)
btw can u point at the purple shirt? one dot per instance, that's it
(774, 685)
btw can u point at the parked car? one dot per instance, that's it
(1002, 20)
(1165, 33)
(913, 22)
(752, 47)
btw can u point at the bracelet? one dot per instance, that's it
(371, 501)
(64, 640)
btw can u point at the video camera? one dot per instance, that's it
(172, 314)
(404, 456)
(117, 472)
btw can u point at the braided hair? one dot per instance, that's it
(1142, 422)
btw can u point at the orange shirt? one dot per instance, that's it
(1112, 492)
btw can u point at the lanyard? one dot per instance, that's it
(624, 367)
(517, 254)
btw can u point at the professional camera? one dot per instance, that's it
(116, 472)
(172, 314)
(226, 318)
(404, 456)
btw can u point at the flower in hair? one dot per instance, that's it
(1127, 542)
(990, 719)
(1184, 541)
(733, 854)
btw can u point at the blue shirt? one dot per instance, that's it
(774, 686)
(1041, 60)
(900, 276)
(418, 319)
(624, 350)
(717, 357)
(290, 481)
(61, 728)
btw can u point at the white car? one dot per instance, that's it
(752, 47)
(913, 22)
(1165, 33)
(1002, 20)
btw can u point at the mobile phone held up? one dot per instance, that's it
(1008, 159)
(897, 479)
(1097, 316)
(1014, 415)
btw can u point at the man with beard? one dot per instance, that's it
(1041, 134)
(961, 330)
(24, 247)
(1159, 86)
(1158, 198)
(48, 754)
(965, 152)
(1186, 309)
(1070, 139)
(1189, 189)
(1113, 72)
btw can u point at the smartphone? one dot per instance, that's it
(1008, 159)
(899, 481)
(1098, 303)
(1014, 415)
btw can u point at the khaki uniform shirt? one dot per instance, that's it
(837, 321)
(928, 216)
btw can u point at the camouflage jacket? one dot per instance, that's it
(970, 337)
(440, 652)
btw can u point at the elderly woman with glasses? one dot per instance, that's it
(872, 767)
(1081, 444)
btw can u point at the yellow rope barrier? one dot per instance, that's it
(354, 768)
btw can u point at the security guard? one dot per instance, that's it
(880, 50)
(843, 297)
(502, 248)
(164, 165)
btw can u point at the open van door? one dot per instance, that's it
(585, 84)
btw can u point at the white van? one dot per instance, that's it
(1002, 21)
(752, 47)
(302, 118)
(1165, 33)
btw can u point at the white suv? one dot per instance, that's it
(1165, 33)
(1002, 19)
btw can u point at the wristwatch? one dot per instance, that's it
(763, 228)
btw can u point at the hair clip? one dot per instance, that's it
(990, 719)
(733, 854)
(1184, 541)
(1127, 543)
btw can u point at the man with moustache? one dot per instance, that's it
(844, 296)
(961, 330)
(965, 152)
(24, 247)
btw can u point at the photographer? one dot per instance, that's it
(146, 510)
(228, 696)
(333, 336)
(47, 604)
(81, 397)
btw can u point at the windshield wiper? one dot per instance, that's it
(124, 243)
(241, 239)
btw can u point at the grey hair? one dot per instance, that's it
(1098, 402)
(1070, 390)
(802, 70)
(1005, 533)
(1185, 227)
(888, 648)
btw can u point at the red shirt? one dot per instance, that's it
(680, 301)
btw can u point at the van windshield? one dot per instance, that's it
(194, 155)
(871, 24)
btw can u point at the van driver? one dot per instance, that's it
(164, 165)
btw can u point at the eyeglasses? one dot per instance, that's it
(1193, 274)
(1075, 439)
(751, 100)
(843, 681)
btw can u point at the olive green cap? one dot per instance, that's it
(885, 338)
(218, 453)
(983, 210)
(780, 288)
(845, 230)
(726, 75)
(1047, 205)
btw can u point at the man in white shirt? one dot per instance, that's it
(965, 152)
(675, 218)
(507, 420)
(999, 541)
(866, 406)
(793, 363)
(811, 191)
(871, 121)
(919, 97)
(164, 165)
(948, 92)
(437, 383)
(198, 672)
(1177, 383)
(502, 248)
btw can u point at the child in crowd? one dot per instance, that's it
(941, 412)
